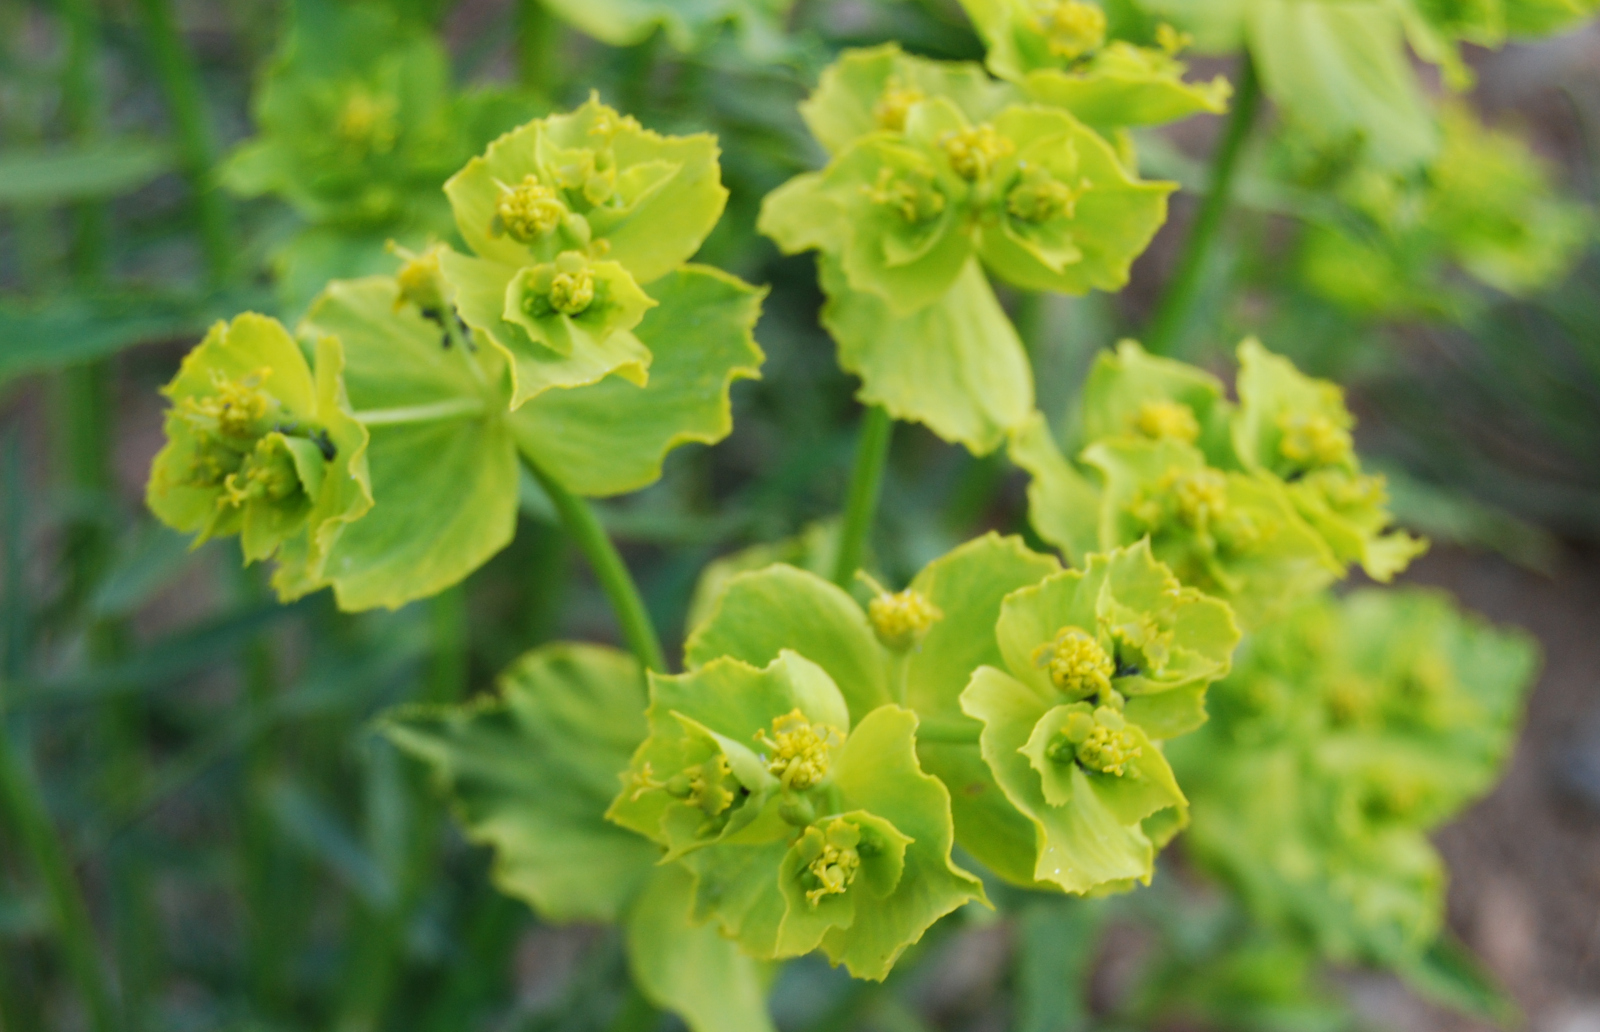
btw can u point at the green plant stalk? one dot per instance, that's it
(538, 50)
(866, 484)
(180, 83)
(585, 530)
(376, 962)
(1178, 300)
(27, 819)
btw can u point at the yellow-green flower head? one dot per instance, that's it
(709, 786)
(367, 121)
(267, 474)
(901, 619)
(1313, 439)
(914, 194)
(1171, 41)
(1039, 196)
(568, 283)
(831, 858)
(233, 408)
(528, 211)
(1163, 419)
(1099, 741)
(895, 103)
(798, 751)
(973, 150)
(420, 281)
(1077, 665)
(1073, 29)
(590, 174)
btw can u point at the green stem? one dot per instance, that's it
(538, 56)
(25, 814)
(584, 528)
(1178, 300)
(83, 105)
(180, 82)
(866, 482)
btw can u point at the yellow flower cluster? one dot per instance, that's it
(1073, 29)
(1167, 419)
(913, 195)
(527, 211)
(832, 858)
(1313, 440)
(798, 750)
(901, 619)
(895, 104)
(1076, 663)
(974, 151)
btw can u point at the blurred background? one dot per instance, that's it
(253, 856)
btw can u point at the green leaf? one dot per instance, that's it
(957, 366)
(611, 437)
(1063, 504)
(761, 613)
(443, 463)
(1339, 69)
(871, 90)
(1135, 393)
(530, 773)
(688, 968)
(47, 177)
(1125, 85)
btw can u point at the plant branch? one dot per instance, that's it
(585, 529)
(866, 483)
(1178, 300)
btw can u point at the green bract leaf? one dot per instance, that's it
(258, 447)
(1131, 393)
(1099, 662)
(956, 366)
(530, 774)
(1058, 53)
(444, 467)
(612, 436)
(1348, 731)
(569, 216)
(1299, 429)
(1234, 535)
(873, 90)
(688, 968)
(753, 774)
(1063, 504)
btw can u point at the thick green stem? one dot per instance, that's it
(26, 818)
(1177, 302)
(584, 528)
(866, 483)
(185, 97)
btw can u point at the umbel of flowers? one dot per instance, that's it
(391, 471)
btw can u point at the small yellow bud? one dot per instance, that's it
(420, 281)
(1171, 40)
(900, 620)
(1167, 419)
(1313, 440)
(235, 409)
(832, 858)
(1039, 197)
(572, 286)
(1109, 747)
(1076, 663)
(895, 104)
(367, 122)
(1201, 495)
(798, 750)
(973, 152)
(1073, 29)
(527, 211)
(913, 195)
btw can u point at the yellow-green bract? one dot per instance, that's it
(1350, 730)
(1259, 504)
(259, 446)
(570, 219)
(935, 179)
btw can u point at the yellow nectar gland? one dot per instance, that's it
(268, 474)
(895, 104)
(1313, 440)
(1040, 197)
(420, 281)
(799, 750)
(901, 619)
(367, 122)
(1073, 29)
(832, 858)
(973, 152)
(1099, 742)
(572, 287)
(1076, 663)
(527, 211)
(1167, 419)
(913, 195)
(235, 409)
